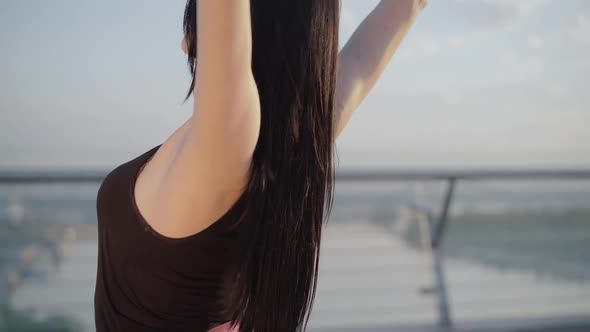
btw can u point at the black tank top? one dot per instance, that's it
(149, 282)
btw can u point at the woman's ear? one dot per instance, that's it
(183, 46)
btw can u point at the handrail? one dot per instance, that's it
(436, 225)
(40, 176)
(463, 174)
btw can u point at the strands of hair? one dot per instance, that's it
(271, 284)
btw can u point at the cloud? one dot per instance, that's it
(488, 18)
(427, 47)
(535, 41)
(557, 89)
(348, 19)
(496, 12)
(456, 41)
(579, 32)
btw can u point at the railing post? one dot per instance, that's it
(441, 226)
(437, 235)
(444, 315)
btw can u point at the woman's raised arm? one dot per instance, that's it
(212, 163)
(364, 57)
(224, 53)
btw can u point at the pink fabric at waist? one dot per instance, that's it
(225, 327)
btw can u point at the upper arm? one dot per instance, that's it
(212, 163)
(350, 91)
(365, 56)
(226, 102)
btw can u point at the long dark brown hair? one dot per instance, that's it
(273, 280)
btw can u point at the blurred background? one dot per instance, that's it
(463, 192)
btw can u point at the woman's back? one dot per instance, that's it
(147, 281)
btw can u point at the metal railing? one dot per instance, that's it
(436, 224)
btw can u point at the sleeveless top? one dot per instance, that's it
(149, 282)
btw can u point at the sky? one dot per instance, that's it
(475, 84)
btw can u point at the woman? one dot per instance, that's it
(219, 227)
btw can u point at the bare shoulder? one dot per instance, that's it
(197, 175)
(151, 173)
(177, 207)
